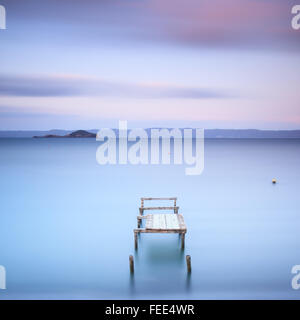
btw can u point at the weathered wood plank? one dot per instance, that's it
(142, 217)
(174, 198)
(172, 221)
(159, 208)
(159, 231)
(149, 221)
(159, 221)
(181, 222)
(165, 222)
(156, 221)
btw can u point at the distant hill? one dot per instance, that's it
(31, 133)
(74, 134)
(252, 134)
(209, 134)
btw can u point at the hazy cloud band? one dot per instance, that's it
(50, 86)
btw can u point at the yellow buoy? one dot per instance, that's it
(274, 181)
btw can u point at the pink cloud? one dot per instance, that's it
(219, 21)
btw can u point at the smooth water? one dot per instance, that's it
(66, 223)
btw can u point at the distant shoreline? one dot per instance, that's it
(208, 134)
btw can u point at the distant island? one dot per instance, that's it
(208, 134)
(74, 134)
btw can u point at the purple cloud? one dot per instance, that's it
(56, 86)
(230, 23)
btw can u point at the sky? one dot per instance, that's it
(78, 64)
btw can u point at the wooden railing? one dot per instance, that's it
(142, 208)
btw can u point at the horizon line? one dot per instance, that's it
(93, 129)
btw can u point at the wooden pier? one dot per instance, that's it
(160, 223)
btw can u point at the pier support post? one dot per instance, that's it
(188, 263)
(139, 221)
(142, 207)
(135, 240)
(131, 264)
(182, 240)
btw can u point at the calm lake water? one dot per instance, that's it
(66, 223)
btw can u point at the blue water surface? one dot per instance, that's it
(66, 223)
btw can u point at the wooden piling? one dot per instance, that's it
(131, 264)
(141, 211)
(138, 222)
(135, 240)
(182, 240)
(188, 263)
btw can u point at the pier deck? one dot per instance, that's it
(160, 223)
